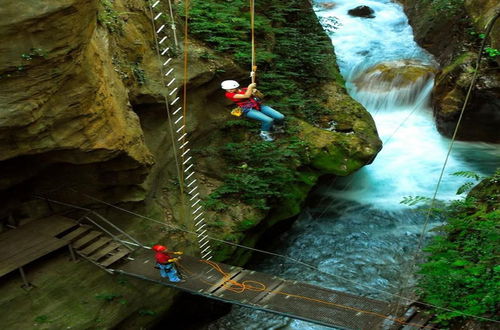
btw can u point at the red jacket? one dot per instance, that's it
(162, 257)
(251, 102)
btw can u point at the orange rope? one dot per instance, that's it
(240, 287)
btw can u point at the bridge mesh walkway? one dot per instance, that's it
(269, 293)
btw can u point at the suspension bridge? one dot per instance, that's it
(104, 244)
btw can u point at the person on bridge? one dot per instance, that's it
(252, 107)
(166, 263)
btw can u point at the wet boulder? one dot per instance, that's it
(395, 74)
(327, 5)
(481, 118)
(362, 11)
(409, 77)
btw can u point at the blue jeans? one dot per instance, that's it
(266, 116)
(168, 270)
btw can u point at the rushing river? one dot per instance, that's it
(357, 229)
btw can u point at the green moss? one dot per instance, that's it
(335, 161)
(224, 251)
(446, 7)
(109, 17)
(297, 193)
(139, 73)
(458, 61)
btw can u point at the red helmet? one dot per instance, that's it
(159, 248)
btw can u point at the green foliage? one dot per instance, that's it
(34, 53)
(474, 33)
(146, 312)
(492, 52)
(462, 271)
(268, 168)
(207, 56)
(468, 185)
(447, 7)
(246, 224)
(108, 296)
(139, 73)
(109, 17)
(467, 174)
(281, 29)
(415, 200)
(240, 123)
(214, 202)
(225, 25)
(42, 319)
(465, 187)
(122, 280)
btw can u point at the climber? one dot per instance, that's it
(166, 263)
(251, 107)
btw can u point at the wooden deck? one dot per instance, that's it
(22, 245)
(269, 293)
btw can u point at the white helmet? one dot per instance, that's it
(229, 84)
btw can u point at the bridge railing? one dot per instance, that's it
(98, 220)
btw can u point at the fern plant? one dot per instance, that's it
(462, 273)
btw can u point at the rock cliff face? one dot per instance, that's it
(82, 109)
(453, 33)
(65, 113)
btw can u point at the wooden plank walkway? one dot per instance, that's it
(269, 293)
(22, 245)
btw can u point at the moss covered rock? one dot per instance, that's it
(395, 74)
(453, 31)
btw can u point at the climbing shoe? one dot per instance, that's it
(266, 136)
